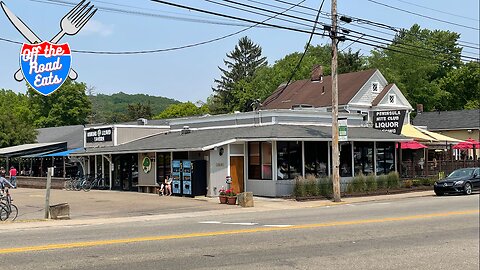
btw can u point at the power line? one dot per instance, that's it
(373, 23)
(174, 48)
(308, 20)
(440, 11)
(421, 15)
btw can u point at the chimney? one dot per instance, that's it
(419, 108)
(317, 73)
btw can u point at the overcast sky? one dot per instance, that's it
(188, 74)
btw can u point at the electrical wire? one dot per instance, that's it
(278, 93)
(311, 21)
(440, 11)
(421, 15)
(370, 22)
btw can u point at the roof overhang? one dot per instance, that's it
(32, 148)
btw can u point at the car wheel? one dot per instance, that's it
(438, 193)
(467, 189)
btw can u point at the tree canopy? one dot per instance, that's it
(69, 105)
(241, 65)
(16, 119)
(182, 110)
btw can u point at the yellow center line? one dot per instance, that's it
(229, 232)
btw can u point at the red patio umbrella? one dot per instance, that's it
(468, 144)
(412, 145)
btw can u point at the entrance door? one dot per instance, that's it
(236, 170)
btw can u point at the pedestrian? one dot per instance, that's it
(13, 176)
(2, 172)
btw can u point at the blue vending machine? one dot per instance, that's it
(177, 177)
(187, 178)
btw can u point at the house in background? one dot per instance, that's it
(362, 92)
(460, 125)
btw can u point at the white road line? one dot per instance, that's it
(210, 222)
(242, 223)
(278, 226)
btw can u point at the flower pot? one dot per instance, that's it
(232, 200)
(223, 199)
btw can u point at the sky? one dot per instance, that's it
(188, 74)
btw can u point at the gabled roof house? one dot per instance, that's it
(360, 92)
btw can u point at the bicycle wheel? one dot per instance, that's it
(13, 212)
(87, 185)
(3, 213)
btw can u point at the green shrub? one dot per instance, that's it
(382, 181)
(416, 182)
(325, 185)
(427, 181)
(358, 184)
(311, 187)
(299, 187)
(393, 180)
(371, 183)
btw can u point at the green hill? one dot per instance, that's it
(114, 108)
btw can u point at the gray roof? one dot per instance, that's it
(449, 120)
(201, 140)
(32, 148)
(72, 135)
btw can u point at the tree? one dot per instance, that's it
(415, 61)
(139, 110)
(461, 88)
(182, 110)
(69, 105)
(241, 65)
(16, 119)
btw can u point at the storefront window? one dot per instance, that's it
(316, 158)
(163, 161)
(260, 160)
(363, 157)
(346, 159)
(289, 160)
(385, 157)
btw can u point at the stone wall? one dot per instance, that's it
(39, 182)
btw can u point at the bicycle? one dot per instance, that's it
(8, 210)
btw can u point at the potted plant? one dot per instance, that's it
(222, 195)
(231, 196)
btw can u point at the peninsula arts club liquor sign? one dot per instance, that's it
(390, 121)
(45, 65)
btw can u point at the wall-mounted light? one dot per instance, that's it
(220, 152)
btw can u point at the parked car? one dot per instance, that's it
(459, 181)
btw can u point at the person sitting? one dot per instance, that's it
(168, 186)
(161, 191)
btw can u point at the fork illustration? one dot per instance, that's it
(70, 24)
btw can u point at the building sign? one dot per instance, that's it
(342, 130)
(389, 121)
(45, 66)
(99, 135)
(146, 164)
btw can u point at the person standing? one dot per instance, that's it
(2, 172)
(13, 176)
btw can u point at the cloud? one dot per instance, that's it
(94, 27)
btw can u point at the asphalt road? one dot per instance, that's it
(413, 233)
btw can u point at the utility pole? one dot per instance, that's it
(335, 150)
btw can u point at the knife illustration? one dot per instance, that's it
(29, 35)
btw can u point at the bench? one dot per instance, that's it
(148, 188)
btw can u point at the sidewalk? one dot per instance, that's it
(116, 206)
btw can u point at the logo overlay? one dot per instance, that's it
(45, 66)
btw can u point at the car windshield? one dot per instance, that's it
(461, 173)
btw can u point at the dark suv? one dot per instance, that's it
(459, 181)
